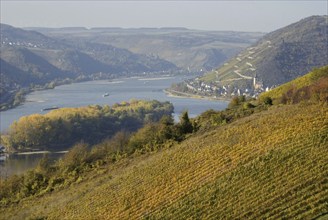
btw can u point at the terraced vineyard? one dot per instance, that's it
(277, 58)
(242, 67)
(270, 165)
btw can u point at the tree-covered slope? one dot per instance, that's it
(193, 50)
(77, 57)
(12, 81)
(36, 68)
(270, 165)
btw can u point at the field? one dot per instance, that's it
(270, 165)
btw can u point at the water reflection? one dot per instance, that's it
(20, 163)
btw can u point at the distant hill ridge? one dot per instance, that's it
(188, 49)
(50, 48)
(40, 60)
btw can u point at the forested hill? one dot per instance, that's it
(31, 60)
(258, 159)
(192, 50)
(278, 57)
(76, 58)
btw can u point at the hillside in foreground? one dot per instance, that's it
(269, 165)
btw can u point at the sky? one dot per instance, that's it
(260, 15)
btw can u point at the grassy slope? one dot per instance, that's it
(298, 83)
(269, 165)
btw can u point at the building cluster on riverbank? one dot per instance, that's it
(217, 90)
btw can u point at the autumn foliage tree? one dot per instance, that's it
(63, 127)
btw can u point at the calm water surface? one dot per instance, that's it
(16, 164)
(90, 93)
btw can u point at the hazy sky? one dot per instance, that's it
(258, 15)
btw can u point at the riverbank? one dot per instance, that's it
(13, 99)
(178, 94)
(17, 98)
(91, 93)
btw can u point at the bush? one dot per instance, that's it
(248, 105)
(75, 157)
(185, 126)
(236, 101)
(267, 100)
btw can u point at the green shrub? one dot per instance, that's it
(75, 157)
(185, 125)
(267, 100)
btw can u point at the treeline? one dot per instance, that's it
(239, 107)
(61, 128)
(83, 158)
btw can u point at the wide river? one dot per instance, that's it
(91, 93)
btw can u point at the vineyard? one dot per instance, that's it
(270, 165)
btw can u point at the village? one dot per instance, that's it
(242, 68)
(215, 90)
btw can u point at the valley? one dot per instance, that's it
(256, 159)
(165, 122)
(41, 58)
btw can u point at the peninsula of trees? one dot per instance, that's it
(61, 128)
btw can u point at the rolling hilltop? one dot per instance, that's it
(254, 160)
(278, 57)
(75, 57)
(191, 50)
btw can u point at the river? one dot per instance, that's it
(91, 93)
